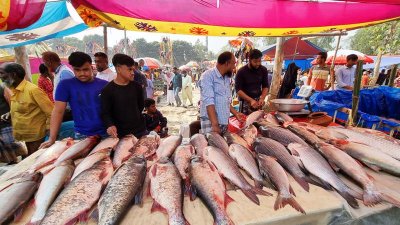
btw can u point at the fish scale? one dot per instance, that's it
(281, 135)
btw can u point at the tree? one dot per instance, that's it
(324, 42)
(268, 41)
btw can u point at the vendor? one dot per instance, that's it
(215, 95)
(251, 84)
(345, 75)
(319, 73)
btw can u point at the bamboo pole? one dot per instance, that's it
(332, 83)
(125, 42)
(105, 35)
(22, 58)
(356, 92)
(376, 68)
(392, 75)
(276, 79)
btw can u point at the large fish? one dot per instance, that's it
(275, 149)
(124, 150)
(14, 196)
(79, 149)
(166, 190)
(233, 138)
(304, 133)
(253, 117)
(319, 167)
(228, 168)
(125, 184)
(272, 119)
(168, 146)
(249, 134)
(311, 127)
(377, 133)
(283, 117)
(246, 161)
(374, 159)
(108, 143)
(51, 185)
(199, 142)
(270, 168)
(147, 145)
(80, 195)
(182, 158)
(209, 186)
(281, 135)
(90, 160)
(351, 167)
(51, 154)
(216, 140)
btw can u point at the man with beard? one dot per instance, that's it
(103, 71)
(251, 84)
(215, 95)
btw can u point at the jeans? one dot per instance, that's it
(176, 93)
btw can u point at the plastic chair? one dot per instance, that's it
(391, 125)
(344, 110)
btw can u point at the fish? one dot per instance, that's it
(281, 135)
(208, 185)
(249, 134)
(275, 149)
(348, 165)
(270, 168)
(311, 127)
(319, 167)
(300, 131)
(199, 142)
(166, 191)
(216, 140)
(50, 186)
(253, 117)
(77, 150)
(233, 138)
(168, 146)
(272, 119)
(147, 145)
(51, 154)
(108, 143)
(80, 195)
(90, 160)
(246, 161)
(283, 117)
(14, 196)
(381, 144)
(377, 133)
(374, 159)
(228, 168)
(125, 184)
(181, 159)
(124, 150)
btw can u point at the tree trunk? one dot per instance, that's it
(356, 92)
(332, 77)
(105, 39)
(392, 75)
(22, 58)
(376, 68)
(278, 61)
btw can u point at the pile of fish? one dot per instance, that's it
(74, 181)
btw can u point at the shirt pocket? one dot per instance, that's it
(22, 107)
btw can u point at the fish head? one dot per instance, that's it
(163, 160)
(138, 159)
(265, 130)
(196, 159)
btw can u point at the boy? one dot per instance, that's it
(155, 121)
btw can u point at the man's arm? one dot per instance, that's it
(140, 101)
(239, 90)
(55, 123)
(163, 120)
(208, 99)
(339, 79)
(106, 100)
(309, 77)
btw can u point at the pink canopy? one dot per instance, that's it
(237, 18)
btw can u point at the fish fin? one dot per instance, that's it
(333, 165)
(258, 184)
(294, 152)
(138, 199)
(283, 201)
(228, 199)
(94, 215)
(349, 199)
(302, 182)
(20, 211)
(252, 196)
(153, 170)
(193, 193)
(372, 167)
(390, 199)
(187, 186)
(259, 191)
(318, 182)
(186, 222)
(291, 190)
(339, 142)
(370, 177)
(372, 198)
(228, 185)
(157, 208)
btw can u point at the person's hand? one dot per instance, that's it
(112, 131)
(261, 103)
(240, 117)
(254, 104)
(5, 117)
(216, 129)
(47, 143)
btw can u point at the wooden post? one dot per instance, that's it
(125, 42)
(276, 79)
(332, 84)
(22, 58)
(356, 92)
(105, 38)
(376, 68)
(392, 75)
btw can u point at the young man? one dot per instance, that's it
(345, 75)
(187, 89)
(82, 93)
(155, 121)
(251, 83)
(177, 84)
(319, 73)
(30, 107)
(103, 71)
(215, 95)
(122, 101)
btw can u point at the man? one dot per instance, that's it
(82, 93)
(140, 78)
(177, 84)
(251, 84)
(103, 71)
(155, 121)
(346, 74)
(187, 89)
(319, 73)
(30, 107)
(365, 78)
(215, 95)
(122, 101)
(381, 78)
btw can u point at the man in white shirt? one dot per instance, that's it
(345, 75)
(103, 71)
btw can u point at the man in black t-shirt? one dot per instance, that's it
(122, 101)
(251, 83)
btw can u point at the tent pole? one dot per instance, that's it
(22, 58)
(376, 68)
(105, 38)
(356, 92)
(125, 42)
(295, 49)
(392, 75)
(278, 60)
(332, 84)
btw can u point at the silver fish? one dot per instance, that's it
(216, 140)
(79, 149)
(233, 138)
(168, 146)
(281, 135)
(90, 160)
(182, 157)
(124, 150)
(147, 145)
(249, 134)
(199, 142)
(108, 143)
(253, 117)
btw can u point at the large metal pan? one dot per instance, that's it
(289, 105)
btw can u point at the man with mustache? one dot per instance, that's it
(215, 95)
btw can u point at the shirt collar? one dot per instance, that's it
(21, 85)
(218, 73)
(58, 68)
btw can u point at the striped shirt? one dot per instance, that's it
(319, 75)
(215, 89)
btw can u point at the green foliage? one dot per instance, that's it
(324, 42)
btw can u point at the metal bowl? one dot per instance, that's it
(289, 105)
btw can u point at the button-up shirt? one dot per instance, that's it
(345, 77)
(215, 90)
(30, 112)
(62, 72)
(107, 75)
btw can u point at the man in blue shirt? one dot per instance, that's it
(177, 84)
(83, 95)
(345, 75)
(215, 95)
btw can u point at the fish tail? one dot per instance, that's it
(371, 198)
(349, 198)
(187, 186)
(282, 201)
(251, 195)
(302, 182)
(260, 191)
(390, 199)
